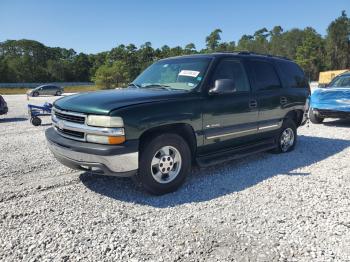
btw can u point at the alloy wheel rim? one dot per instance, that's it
(166, 164)
(287, 139)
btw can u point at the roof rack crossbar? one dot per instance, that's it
(245, 52)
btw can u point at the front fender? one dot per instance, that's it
(142, 117)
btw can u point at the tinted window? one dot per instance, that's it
(292, 75)
(265, 75)
(232, 69)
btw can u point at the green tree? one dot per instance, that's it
(226, 47)
(212, 41)
(190, 48)
(276, 41)
(338, 43)
(245, 43)
(309, 53)
(110, 76)
(260, 43)
(97, 60)
(81, 67)
(145, 55)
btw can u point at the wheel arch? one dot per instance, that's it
(296, 115)
(184, 130)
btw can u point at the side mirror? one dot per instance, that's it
(223, 86)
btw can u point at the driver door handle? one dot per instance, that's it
(253, 103)
(283, 100)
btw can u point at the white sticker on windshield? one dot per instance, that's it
(189, 73)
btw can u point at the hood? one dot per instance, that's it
(103, 102)
(331, 98)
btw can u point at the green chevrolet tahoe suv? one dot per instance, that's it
(198, 109)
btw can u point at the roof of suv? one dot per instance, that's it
(240, 54)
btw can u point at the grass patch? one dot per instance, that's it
(67, 89)
(75, 89)
(12, 91)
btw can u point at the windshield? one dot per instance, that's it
(341, 81)
(174, 74)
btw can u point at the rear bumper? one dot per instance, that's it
(118, 160)
(326, 113)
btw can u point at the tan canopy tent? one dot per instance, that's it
(327, 76)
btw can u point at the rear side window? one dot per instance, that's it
(292, 74)
(232, 69)
(266, 77)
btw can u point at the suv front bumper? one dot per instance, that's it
(115, 160)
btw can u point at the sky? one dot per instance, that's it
(92, 26)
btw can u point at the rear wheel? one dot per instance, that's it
(287, 137)
(35, 121)
(165, 162)
(58, 93)
(314, 118)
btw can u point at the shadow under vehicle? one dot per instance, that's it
(220, 180)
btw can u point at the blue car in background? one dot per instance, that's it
(333, 101)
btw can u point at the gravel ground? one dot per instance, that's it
(291, 207)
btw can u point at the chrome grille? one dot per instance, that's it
(73, 125)
(69, 117)
(71, 133)
(63, 121)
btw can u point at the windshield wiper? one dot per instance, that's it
(158, 86)
(134, 85)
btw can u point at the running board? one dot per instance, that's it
(235, 153)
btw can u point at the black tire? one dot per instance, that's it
(58, 93)
(314, 118)
(35, 121)
(35, 94)
(148, 152)
(288, 124)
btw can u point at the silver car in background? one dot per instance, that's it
(46, 90)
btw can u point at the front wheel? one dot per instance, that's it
(287, 137)
(165, 162)
(314, 118)
(58, 93)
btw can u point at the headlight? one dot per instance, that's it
(105, 121)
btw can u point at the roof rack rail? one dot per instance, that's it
(244, 52)
(278, 56)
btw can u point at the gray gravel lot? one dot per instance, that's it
(291, 207)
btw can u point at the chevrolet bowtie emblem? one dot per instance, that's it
(61, 125)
